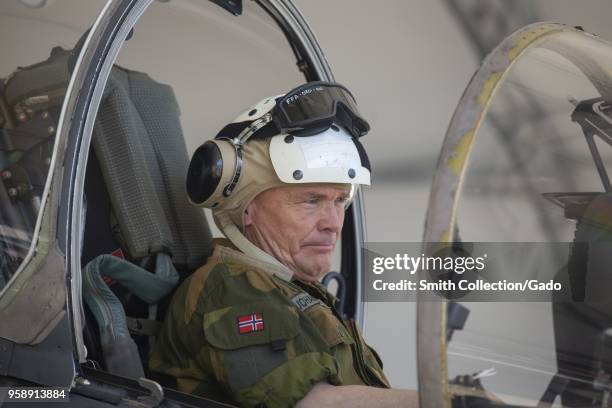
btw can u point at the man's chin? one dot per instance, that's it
(307, 278)
(313, 273)
(324, 250)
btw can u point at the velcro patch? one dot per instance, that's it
(303, 301)
(250, 323)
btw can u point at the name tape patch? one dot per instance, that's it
(303, 301)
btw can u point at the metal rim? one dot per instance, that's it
(446, 188)
(98, 57)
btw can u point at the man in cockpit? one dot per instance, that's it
(253, 325)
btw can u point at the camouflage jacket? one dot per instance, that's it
(238, 333)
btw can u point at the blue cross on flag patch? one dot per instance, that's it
(250, 323)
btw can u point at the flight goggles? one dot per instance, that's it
(318, 104)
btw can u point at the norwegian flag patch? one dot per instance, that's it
(250, 323)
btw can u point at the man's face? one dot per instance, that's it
(298, 225)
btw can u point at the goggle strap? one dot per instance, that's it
(252, 129)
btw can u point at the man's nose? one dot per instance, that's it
(332, 218)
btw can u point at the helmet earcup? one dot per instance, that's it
(205, 172)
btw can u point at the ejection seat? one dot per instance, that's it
(142, 237)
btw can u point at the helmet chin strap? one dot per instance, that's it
(234, 234)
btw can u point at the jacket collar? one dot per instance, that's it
(224, 249)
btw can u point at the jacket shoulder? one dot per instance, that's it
(224, 282)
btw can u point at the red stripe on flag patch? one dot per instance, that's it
(118, 253)
(251, 323)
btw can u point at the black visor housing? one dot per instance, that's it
(317, 104)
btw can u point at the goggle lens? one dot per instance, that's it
(316, 103)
